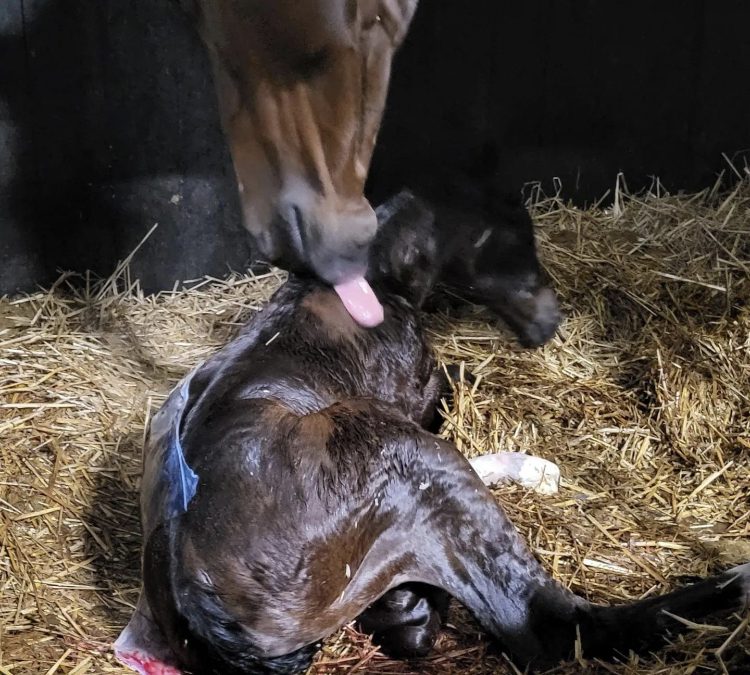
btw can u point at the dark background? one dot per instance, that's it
(108, 122)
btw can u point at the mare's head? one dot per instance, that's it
(302, 85)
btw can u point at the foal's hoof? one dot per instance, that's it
(454, 373)
(534, 473)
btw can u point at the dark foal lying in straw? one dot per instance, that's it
(469, 250)
(319, 495)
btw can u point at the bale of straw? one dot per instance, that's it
(642, 400)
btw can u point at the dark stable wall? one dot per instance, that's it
(575, 90)
(108, 122)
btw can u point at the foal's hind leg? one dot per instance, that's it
(406, 621)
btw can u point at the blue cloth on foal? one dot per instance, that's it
(181, 480)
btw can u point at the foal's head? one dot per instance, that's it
(302, 86)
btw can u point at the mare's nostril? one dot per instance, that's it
(296, 228)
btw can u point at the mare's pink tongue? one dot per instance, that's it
(360, 301)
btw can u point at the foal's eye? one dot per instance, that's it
(423, 260)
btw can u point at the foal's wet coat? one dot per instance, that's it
(323, 496)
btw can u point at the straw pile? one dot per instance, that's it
(642, 400)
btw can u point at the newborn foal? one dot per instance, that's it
(321, 497)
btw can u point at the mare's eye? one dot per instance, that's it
(313, 63)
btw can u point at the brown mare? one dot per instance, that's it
(302, 86)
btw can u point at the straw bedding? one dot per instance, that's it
(642, 399)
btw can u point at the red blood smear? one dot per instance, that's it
(146, 665)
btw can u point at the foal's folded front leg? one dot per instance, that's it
(438, 388)
(531, 472)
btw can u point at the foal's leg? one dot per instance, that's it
(407, 620)
(472, 550)
(439, 387)
(531, 472)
